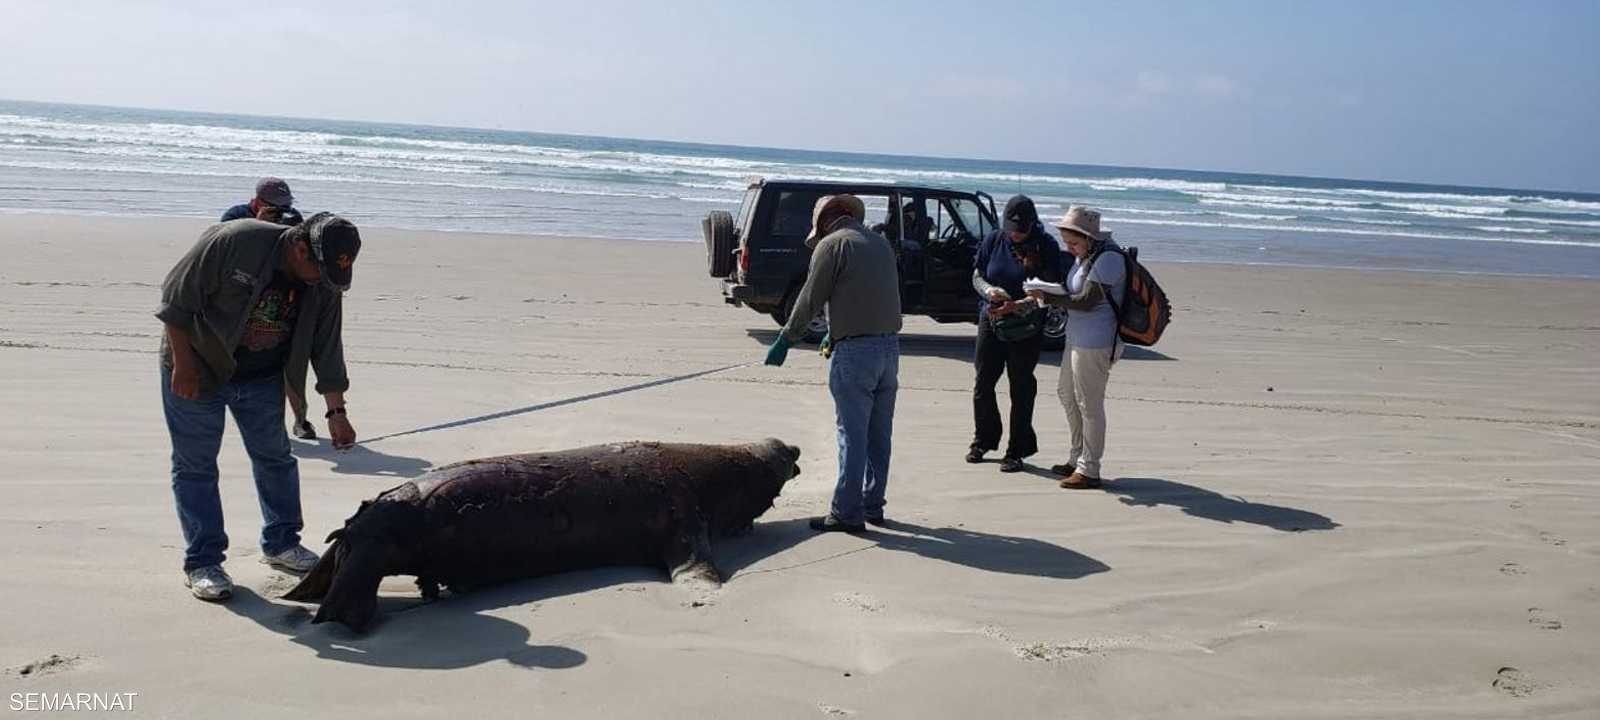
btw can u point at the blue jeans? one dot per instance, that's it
(864, 378)
(196, 430)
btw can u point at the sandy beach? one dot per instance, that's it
(1333, 494)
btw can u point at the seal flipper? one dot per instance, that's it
(314, 586)
(688, 557)
(353, 597)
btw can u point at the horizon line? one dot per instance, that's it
(1584, 194)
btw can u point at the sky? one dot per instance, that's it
(1500, 94)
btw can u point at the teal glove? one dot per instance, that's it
(779, 351)
(826, 348)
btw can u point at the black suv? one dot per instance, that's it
(761, 257)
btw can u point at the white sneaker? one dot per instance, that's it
(297, 560)
(209, 583)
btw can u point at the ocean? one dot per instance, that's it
(115, 161)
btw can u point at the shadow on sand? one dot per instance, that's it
(411, 633)
(959, 347)
(361, 460)
(1202, 503)
(949, 347)
(455, 631)
(958, 546)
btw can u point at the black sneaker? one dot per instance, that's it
(832, 524)
(304, 430)
(1011, 465)
(878, 520)
(975, 456)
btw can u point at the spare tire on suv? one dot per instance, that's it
(718, 229)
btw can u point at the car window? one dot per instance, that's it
(745, 207)
(942, 219)
(886, 216)
(952, 221)
(971, 216)
(791, 217)
(920, 221)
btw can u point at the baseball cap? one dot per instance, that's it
(335, 242)
(1020, 215)
(274, 191)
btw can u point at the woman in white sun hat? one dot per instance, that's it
(1094, 283)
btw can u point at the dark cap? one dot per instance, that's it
(274, 191)
(1020, 215)
(335, 242)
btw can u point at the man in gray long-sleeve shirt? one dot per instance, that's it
(854, 272)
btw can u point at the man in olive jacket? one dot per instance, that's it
(249, 301)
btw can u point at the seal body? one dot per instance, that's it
(486, 521)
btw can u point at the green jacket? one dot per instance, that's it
(211, 291)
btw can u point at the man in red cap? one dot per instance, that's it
(271, 192)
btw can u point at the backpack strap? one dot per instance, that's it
(1111, 297)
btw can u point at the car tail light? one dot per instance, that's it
(744, 262)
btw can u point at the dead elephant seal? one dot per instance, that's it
(518, 516)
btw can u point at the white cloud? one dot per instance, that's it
(1219, 87)
(1151, 83)
(1156, 87)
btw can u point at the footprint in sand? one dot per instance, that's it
(277, 584)
(832, 711)
(288, 618)
(1512, 568)
(996, 632)
(1514, 682)
(1515, 505)
(1552, 539)
(1046, 651)
(1543, 620)
(858, 601)
(47, 666)
(1052, 652)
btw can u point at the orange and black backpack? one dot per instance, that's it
(1145, 310)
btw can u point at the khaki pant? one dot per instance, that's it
(1082, 389)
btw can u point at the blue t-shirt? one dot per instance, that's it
(1001, 268)
(1096, 327)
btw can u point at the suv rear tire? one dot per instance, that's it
(815, 330)
(718, 229)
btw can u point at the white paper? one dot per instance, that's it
(1049, 288)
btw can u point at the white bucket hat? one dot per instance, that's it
(1083, 221)
(848, 203)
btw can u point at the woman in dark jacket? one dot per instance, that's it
(1021, 249)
